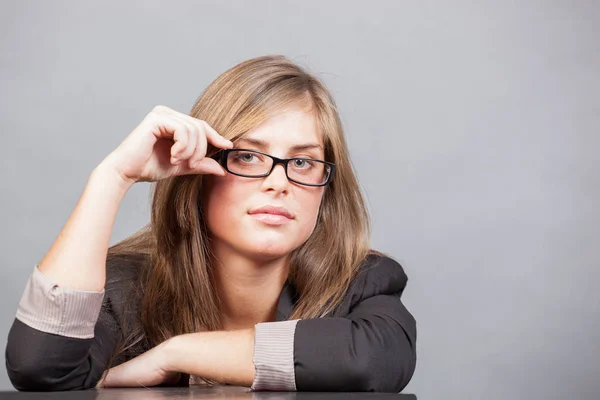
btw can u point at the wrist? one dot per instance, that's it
(169, 351)
(107, 173)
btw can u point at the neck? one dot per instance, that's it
(249, 289)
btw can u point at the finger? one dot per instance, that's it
(211, 134)
(215, 138)
(127, 375)
(181, 138)
(200, 151)
(204, 166)
(116, 377)
(101, 382)
(192, 139)
(165, 127)
(160, 109)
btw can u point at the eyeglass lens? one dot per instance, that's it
(252, 164)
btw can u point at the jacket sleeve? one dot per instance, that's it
(372, 348)
(60, 339)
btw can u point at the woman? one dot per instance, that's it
(255, 268)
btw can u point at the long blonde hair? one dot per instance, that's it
(175, 286)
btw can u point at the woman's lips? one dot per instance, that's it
(271, 215)
(271, 219)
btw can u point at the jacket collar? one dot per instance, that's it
(287, 300)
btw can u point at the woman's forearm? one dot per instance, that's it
(77, 259)
(223, 356)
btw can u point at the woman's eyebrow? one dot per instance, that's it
(261, 144)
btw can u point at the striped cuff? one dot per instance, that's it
(66, 312)
(274, 356)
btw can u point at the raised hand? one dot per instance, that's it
(167, 143)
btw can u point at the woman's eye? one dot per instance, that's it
(302, 164)
(247, 157)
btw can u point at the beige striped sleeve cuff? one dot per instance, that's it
(274, 356)
(66, 312)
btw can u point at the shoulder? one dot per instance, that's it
(380, 274)
(377, 275)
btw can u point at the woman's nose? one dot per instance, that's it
(277, 180)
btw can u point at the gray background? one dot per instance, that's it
(473, 127)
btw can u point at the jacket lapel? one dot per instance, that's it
(287, 300)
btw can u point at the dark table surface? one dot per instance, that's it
(195, 392)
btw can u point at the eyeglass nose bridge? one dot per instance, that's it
(281, 161)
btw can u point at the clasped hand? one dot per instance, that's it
(148, 369)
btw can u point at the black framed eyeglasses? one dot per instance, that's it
(255, 164)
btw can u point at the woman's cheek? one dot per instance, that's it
(310, 215)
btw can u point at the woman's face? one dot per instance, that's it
(231, 201)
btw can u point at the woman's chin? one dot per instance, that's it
(267, 255)
(268, 251)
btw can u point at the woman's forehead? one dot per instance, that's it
(292, 129)
(290, 145)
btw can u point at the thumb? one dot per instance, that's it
(101, 382)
